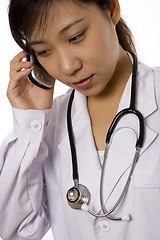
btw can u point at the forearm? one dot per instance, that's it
(22, 212)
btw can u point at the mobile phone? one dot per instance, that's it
(39, 76)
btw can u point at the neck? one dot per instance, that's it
(102, 108)
(117, 83)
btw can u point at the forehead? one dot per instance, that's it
(60, 14)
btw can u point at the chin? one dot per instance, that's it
(92, 92)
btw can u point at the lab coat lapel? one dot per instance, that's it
(145, 102)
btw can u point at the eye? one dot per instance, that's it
(77, 38)
(43, 53)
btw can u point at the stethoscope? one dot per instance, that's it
(78, 196)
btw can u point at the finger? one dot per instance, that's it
(20, 66)
(17, 86)
(19, 57)
(17, 76)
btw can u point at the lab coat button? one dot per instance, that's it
(36, 126)
(104, 226)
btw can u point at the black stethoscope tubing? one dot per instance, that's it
(71, 140)
(130, 110)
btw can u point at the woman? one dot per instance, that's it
(85, 45)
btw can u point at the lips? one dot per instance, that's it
(84, 83)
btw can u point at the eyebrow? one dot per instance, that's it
(64, 29)
(36, 42)
(68, 26)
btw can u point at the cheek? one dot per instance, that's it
(50, 67)
(110, 50)
(103, 47)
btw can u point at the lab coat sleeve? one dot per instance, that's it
(23, 206)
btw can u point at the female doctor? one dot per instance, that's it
(70, 164)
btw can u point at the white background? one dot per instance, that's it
(142, 17)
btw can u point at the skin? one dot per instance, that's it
(75, 46)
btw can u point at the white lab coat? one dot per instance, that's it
(40, 141)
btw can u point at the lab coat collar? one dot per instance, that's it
(145, 102)
(145, 92)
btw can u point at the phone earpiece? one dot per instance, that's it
(39, 75)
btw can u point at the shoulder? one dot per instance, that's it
(59, 107)
(149, 75)
(62, 100)
(156, 72)
(148, 89)
(145, 70)
(150, 78)
(79, 106)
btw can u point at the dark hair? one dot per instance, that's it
(23, 19)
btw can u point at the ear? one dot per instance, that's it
(114, 9)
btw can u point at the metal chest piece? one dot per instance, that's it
(77, 196)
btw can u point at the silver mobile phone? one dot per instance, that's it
(39, 75)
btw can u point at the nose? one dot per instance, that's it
(69, 63)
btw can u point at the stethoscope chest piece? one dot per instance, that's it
(77, 196)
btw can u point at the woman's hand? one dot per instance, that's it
(21, 92)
